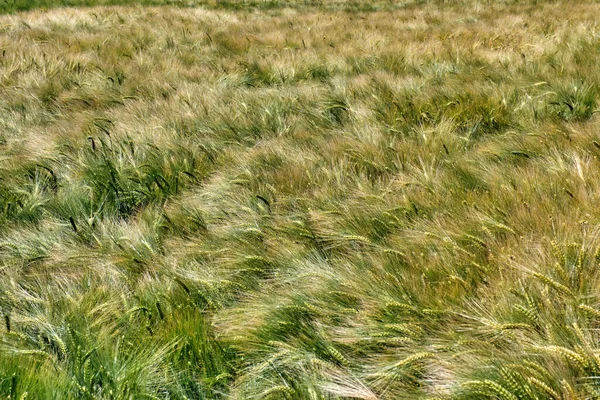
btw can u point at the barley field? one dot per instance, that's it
(299, 200)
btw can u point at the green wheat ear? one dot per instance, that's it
(490, 387)
(589, 310)
(511, 379)
(530, 313)
(337, 356)
(567, 390)
(558, 253)
(597, 254)
(413, 359)
(554, 284)
(544, 388)
(278, 390)
(574, 357)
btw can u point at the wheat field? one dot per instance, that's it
(300, 200)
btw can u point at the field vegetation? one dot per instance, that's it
(303, 200)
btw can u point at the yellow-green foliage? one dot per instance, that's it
(300, 200)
